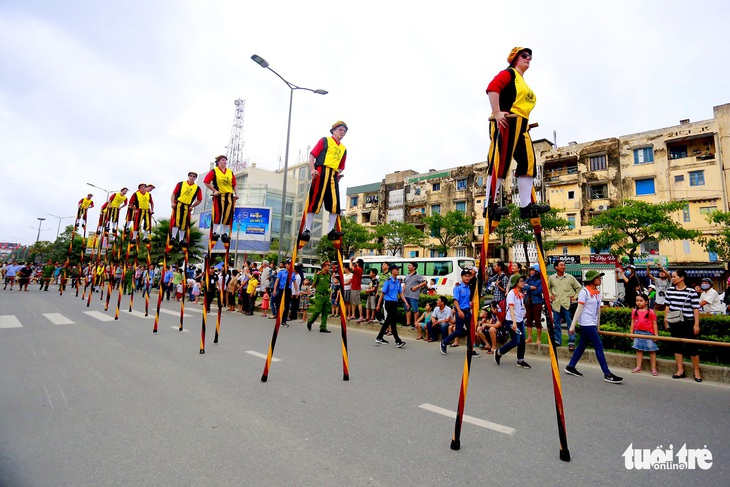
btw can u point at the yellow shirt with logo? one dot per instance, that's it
(187, 192)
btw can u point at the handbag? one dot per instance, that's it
(676, 315)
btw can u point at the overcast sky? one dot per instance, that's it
(121, 92)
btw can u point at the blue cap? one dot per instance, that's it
(535, 267)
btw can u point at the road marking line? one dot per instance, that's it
(173, 313)
(48, 396)
(9, 321)
(139, 314)
(469, 419)
(184, 330)
(58, 319)
(261, 355)
(99, 315)
(194, 310)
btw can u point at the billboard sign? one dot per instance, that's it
(251, 229)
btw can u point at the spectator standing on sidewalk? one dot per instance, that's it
(534, 301)
(661, 284)
(563, 290)
(355, 289)
(412, 290)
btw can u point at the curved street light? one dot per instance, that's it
(58, 231)
(264, 64)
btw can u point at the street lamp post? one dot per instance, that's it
(105, 190)
(58, 231)
(40, 224)
(264, 64)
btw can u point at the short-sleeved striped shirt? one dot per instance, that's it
(686, 300)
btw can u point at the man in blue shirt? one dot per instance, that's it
(282, 292)
(391, 292)
(167, 281)
(462, 310)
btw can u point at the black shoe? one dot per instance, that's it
(474, 353)
(76, 225)
(225, 238)
(214, 237)
(613, 379)
(335, 235)
(497, 356)
(679, 376)
(285, 324)
(145, 240)
(495, 212)
(183, 244)
(133, 241)
(309, 326)
(533, 210)
(572, 371)
(571, 347)
(697, 379)
(305, 236)
(325, 330)
(523, 364)
(381, 341)
(402, 344)
(443, 348)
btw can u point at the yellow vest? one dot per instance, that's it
(224, 181)
(85, 203)
(525, 100)
(143, 201)
(334, 153)
(187, 192)
(119, 198)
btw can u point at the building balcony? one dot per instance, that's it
(419, 200)
(699, 160)
(553, 179)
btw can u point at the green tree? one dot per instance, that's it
(516, 230)
(396, 235)
(158, 240)
(451, 230)
(356, 237)
(41, 251)
(59, 252)
(623, 229)
(719, 243)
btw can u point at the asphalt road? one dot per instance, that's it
(91, 402)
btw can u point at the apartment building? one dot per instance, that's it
(680, 163)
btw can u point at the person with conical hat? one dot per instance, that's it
(326, 161)
(588, 316)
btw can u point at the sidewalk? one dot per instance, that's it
(665, 367)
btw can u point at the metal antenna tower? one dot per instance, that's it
(235, 145)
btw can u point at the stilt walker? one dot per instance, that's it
(512, 101)
(186, 196)
(142, 207)
(124, 272)
(326, 162)
(341, 302)
(222, 183)
(206, 294)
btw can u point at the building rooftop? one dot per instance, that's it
(364, 188)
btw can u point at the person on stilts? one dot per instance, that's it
(83, 209)
(326, 161)
(111, 208)
(143, 207)
(512, 101)
(186, 196)
(222, 183)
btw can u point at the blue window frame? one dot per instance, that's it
(460, 184)
(461, 206)
(644, 187)
(353, 201)
(697, 178)
(645, 155)
(571, 221)
(436, 187)
(435, 209)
